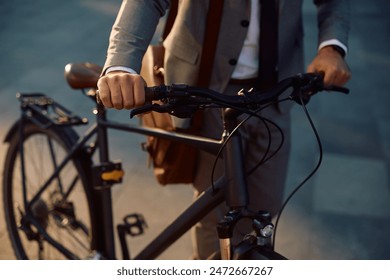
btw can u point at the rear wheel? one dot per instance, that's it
(52, 222)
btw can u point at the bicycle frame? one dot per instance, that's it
(102, 218)
(236, 197)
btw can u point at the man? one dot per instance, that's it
(235, 66)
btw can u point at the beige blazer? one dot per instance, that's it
(137, 20)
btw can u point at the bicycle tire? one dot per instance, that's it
(65, 217)
(248, 249)
(261, 253)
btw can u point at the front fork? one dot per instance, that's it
(261, 235)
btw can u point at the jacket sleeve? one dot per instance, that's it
(333, 18)
(132, 32)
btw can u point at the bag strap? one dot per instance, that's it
(268, 51)
(170, 18)
(213, 23)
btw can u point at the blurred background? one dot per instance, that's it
(343, 212)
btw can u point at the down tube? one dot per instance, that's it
(207, 201)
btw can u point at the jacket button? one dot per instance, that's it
(233, 61)
(245, 23)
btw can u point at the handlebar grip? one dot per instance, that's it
(151, 94)
(155, 93)
(321, 75)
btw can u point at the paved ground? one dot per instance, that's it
(342, 213)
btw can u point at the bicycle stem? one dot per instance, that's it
(237, 193)
(237, 197)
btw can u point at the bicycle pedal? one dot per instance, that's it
(134, 224)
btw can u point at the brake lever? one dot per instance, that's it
(147, 108)
(301, 95)
(338, 89)
(180, 112)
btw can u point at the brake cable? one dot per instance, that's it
(315, 169)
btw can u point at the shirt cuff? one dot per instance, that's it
(120, 68)
(333, 42)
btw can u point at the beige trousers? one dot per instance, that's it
(266, 184)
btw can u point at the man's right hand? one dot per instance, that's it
(121, 90)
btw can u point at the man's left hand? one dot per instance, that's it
(332, 63)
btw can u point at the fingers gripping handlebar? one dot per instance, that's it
(309, 84)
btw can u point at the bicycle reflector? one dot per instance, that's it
(107, 174)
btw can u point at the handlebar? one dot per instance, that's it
(182, 100)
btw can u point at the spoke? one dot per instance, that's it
(40, 250)
(35, 150)
(77, 239)
(34, 173)
(69, 238)
(54, 161)
(71, 187)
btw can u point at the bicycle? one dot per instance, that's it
(48, 214)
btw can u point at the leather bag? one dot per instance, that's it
(173, 162)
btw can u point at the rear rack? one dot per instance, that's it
(45, 112)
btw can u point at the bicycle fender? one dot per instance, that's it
(68, 132)
(14, 129)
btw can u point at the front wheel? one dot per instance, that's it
(261, 253)
(52, 222)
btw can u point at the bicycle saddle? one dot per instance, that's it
(82, 75)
